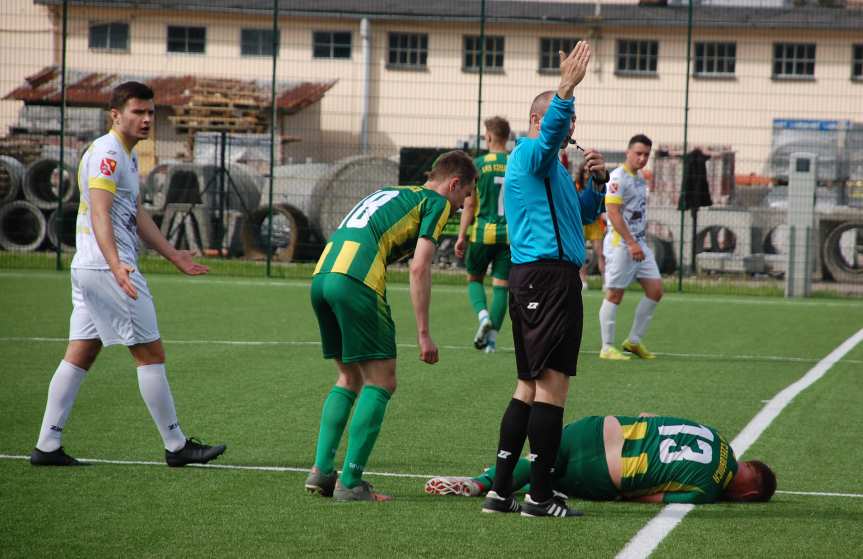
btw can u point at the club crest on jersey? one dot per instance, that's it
(613, 188)
(108, 166)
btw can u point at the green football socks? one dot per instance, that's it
(476, 294)
(334, 417)
(363, 432)
(498, 305)
(520, 476)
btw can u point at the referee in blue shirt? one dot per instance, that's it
(545, 214)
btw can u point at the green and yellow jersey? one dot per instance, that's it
(489, 225)
(687, 461)
(382, 228)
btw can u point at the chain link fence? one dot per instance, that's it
(274, 119)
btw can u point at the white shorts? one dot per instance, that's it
(621, 269)
(101, 309)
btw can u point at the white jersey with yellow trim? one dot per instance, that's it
(629, 190)
(108, 165)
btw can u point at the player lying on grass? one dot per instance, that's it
(646, 458)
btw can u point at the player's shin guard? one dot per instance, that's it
(334, 417)
(544, 430)
(498, 305)
(476, 294)
(607, 319)
(643, 316)
(363, 432)
(62, 392)
(153, 384)
(513, 432)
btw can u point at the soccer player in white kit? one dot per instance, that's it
(627, 256)
(111, 303)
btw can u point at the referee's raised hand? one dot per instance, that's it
(573, 67)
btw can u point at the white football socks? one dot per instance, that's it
(62, 392)
(482, 315)
(607, 318)
(643, 315)
(156, 393)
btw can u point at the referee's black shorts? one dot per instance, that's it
(546, 312)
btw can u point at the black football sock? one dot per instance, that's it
(543, 430)
(513, 432)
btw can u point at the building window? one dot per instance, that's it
(637, 57)
(857, 63)
(473, 53)
(549, 60)
(111, 36)
(794, 60)
(715, 59)
(331, 44)
(257, 42)
(408, 50)
(187, 39)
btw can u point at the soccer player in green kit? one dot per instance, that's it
(646, 458)
(348, 295)
(489, 242)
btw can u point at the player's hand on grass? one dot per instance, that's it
(428, 349)
(184, 262)
(573, 67)
(460, 246)
(121, 274)
(635, 251)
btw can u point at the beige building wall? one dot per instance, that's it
(437, 106)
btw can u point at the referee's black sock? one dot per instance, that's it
(543, 430)
(513, 432)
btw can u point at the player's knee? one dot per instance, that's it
(614, 296)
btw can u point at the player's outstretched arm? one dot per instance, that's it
(573, 67)
(420, 278)
(151, 235)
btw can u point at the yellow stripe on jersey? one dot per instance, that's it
(101, 183)
(613, 199)
(323, 257)
(615, 239)
(83, 208)
(444, 216)
(489, 236)
(728, 477)
(400, 232)
(345, 257)
(634, 466)
(635, 431)
(490, 157)
(472, 232)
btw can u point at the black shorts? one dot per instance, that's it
(547, 314)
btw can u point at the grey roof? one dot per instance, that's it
(504, 11)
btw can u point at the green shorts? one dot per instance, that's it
(479, 256)
(355, 321)
(582, 470)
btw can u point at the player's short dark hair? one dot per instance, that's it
(498, 127)
(129, 90)
(454, 163)
(640, 139)
(766, 481)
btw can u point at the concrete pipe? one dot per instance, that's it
(67, 228)
(290, 232)
(11, 175)
(42, 183)
(22, 226)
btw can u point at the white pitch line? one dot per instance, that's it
(222, 466)
(306, 470)
(651, 535)
(252, 343)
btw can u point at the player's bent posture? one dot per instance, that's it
(545, 216)
(111, 303)
(349, 299)
(489, 242)
(645, 458)
(627, 256)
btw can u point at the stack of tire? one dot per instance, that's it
(29, 198)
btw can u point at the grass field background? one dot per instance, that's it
(719, 359)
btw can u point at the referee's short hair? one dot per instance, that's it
(640, 139)
(498, 127)
(129, 90)
(454, 163)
